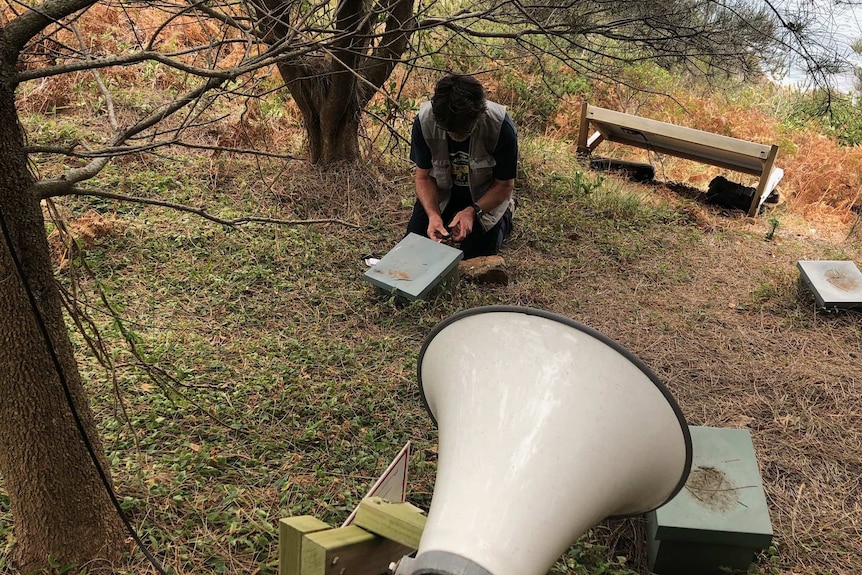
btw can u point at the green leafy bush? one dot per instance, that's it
(534, 94)
(840, 116)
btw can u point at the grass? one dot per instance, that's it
(287, 384)
(278, 383)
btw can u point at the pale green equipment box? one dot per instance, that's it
(414, 267)
(834, 283)
(719, 521)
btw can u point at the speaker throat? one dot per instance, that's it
(439, 563)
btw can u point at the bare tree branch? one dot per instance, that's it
(129, 150)
(73, 191)
(136, 58)
(109, 103)
(75, 175)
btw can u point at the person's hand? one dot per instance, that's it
(462, 224)
(436, 230)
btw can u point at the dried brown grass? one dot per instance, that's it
(785, 372)
(707, 303)
(85, 231)
(825, 175)
(325, 192)
(106, 30)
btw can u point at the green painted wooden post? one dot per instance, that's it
(348, 551)
(400, 522)
(290, 535)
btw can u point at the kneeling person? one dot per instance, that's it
(465, 148)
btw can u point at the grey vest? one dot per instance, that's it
(480, 175)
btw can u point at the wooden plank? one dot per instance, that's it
(764, 178)
(583, 132)
(695, 157)
(706, 139)
(290, 533)
(349, 551)
(400, 522)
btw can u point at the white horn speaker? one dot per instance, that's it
(546, 427)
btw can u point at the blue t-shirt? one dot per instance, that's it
(505, 154)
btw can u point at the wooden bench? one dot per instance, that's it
(661, 137)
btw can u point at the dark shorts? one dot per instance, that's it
(478, 243)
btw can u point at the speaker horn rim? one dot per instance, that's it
(619, 348)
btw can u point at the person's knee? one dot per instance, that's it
(481, 243)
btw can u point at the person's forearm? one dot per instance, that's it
(426, 192)
(499, 192)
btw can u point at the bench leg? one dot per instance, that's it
(583, 149)
(764, 178)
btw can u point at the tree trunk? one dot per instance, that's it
(60, 508)
(339, 138)
(331, 119)
(332, 87)
(330, 139)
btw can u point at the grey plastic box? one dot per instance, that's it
(414, 267)
(720, 520)
(835, 284)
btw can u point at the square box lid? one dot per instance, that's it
(834, 283)
(414, 267)
(722, 501)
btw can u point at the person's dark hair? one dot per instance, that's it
(457, 102)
